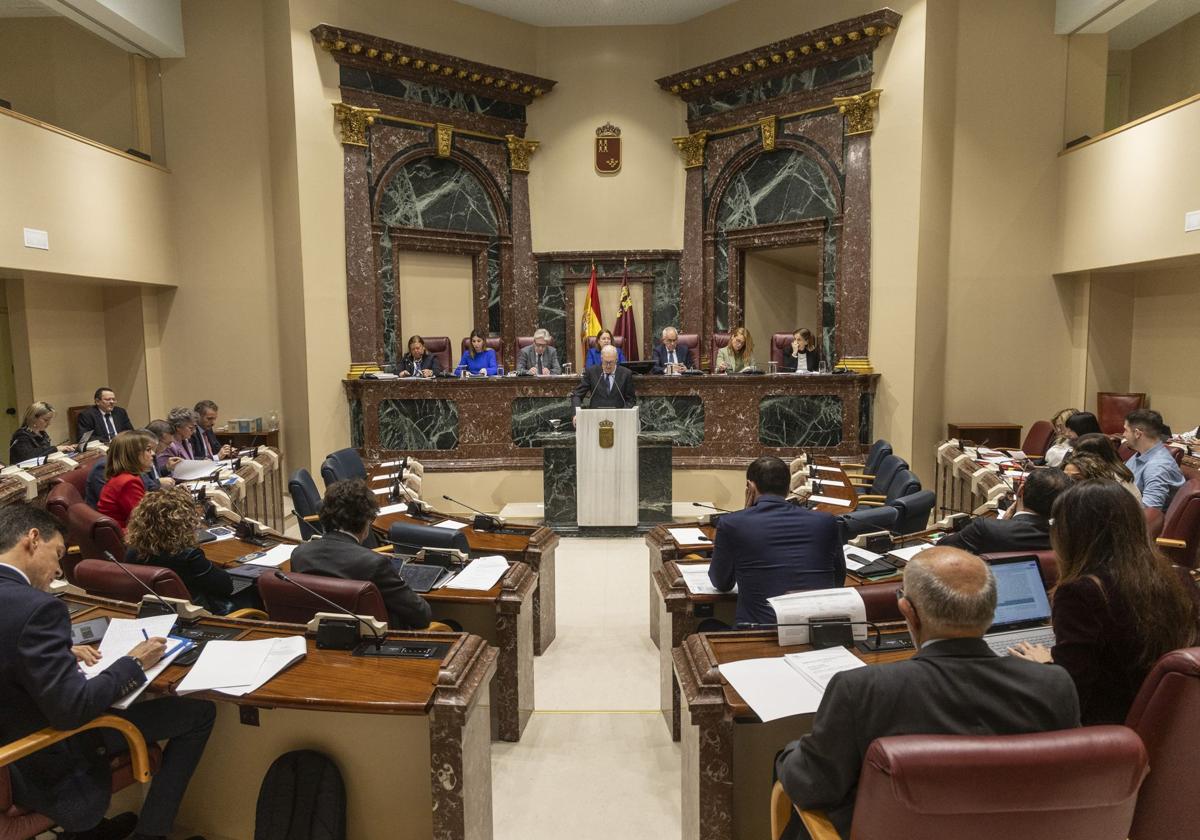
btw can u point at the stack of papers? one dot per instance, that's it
(856, 558)
(688, 536)
(451, 525)
(795, 610)
(274, 556)
(829, 500)
(910, 552)
(481, 573)
(123, 635)
(399, 507)
(695, 578)
(238, 668)
(791, 685)
(192, 470)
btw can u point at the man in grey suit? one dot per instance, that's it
(347, 512)
(954, 685)
(539, 358)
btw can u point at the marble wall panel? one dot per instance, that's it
(552, 301)
(682, 416)
(356, 424)
(386, 278)
(806, 80)
(800, 421)
(494, 275)
(436, 193)
(415, 425)
(412, 91)
(531, 416)
(866, 409)
(654, 484)
(829, 294)
(558, 483)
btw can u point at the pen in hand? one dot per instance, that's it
(145, 635)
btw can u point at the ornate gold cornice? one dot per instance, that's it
(857, 364)
(829, 43)
(692, 148)
(767, 126)
(520, 151)
(445, 135)
(370, 52)
(859, 111)
(353, 122)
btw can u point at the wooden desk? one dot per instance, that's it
(409, 736)
(532, 545)
(1006, 435)
(12, 490)
(502, 616)
(728, 754)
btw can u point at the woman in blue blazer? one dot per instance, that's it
(478, 359)
(603, 339)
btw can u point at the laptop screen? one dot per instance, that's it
(1020, 595)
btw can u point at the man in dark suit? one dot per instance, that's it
(105, 419)
(954, 685)
(609, 385)
(346, 514)
(772, 547)
(204, 439)
(1027, 529)
(669, 357)
(41, 686)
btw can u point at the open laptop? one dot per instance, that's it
(1022, 608)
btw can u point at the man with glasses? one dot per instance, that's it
(105, 419)
(539, 358)
(669, 357)
(608, 384)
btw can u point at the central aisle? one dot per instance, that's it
(596, 760)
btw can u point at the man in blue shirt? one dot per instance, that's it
(772, 546)
(1155, 472)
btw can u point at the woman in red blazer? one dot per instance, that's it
(129, 455)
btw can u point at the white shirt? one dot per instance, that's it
(18, 571)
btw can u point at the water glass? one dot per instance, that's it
(499, 370)
(567, 368)
(823, 367)
(772, 367)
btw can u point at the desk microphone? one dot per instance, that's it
(833, 631)
(417, 509)
(375, 633)
(711, 507)
(483, 521)
(170, 610)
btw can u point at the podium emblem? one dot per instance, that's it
(606, 434)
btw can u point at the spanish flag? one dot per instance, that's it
(590, 324)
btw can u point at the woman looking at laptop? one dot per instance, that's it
(1118, 605)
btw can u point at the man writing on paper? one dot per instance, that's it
(608, 385)
(772, 547)
(954, 685)
(41, 686)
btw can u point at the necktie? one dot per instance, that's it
(609, 377)
(207, 445)
(109, 427)
(539, 363)
(671, 359)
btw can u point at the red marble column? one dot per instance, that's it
(692, 305)
(519, 295)
(365, 323)
(854, 272)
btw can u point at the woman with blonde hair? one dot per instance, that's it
(32, 440)
(738, 354)
(1060, 444)
(162, 532)
(129, 455)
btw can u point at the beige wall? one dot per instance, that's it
(1087, 69)
(1109, 335)
(1165, 69)
(778, 299)
(1165, 345)
(435, 297)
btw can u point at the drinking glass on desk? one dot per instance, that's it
(772, 368)
(823, 366)
(555, 422)
(499, 370)
(567, 369)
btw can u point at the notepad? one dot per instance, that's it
(819, 666)
(451, 525)
(482, 573)
(123, 635)
(274, 556)
(695, 578)
(399, 507)
(688, 536)
(780, 687)
(829, 500)
(910, 552)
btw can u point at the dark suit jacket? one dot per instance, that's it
(952, 687)
(813, 358)
(338, 554)
(428, 362)
(198, 442)
(40, 686)
(771, 548)
(985, 535)
(26, 444)
(682, 354)
(209, 585)
(92, 420)
(592, 382)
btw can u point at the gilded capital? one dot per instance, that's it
(353, 122)
(859, 111)
(520, 151)
(692, 148)
(445, 134)
(767, 125)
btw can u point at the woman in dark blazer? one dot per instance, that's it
(803, 355)
(32, 440)
(418, 361)
(1118, 605)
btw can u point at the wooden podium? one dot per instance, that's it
(606, 466)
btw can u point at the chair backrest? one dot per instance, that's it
(1154, 521)
(1075, 784)
(494, 342)
(1164, 714)
(409, 538)
(904, 483)
(59, 500)
(341, 465)
(77, 478)
(1047, 563)
(1182, 522)
(1177, 453)
(1189, 472)
(718, 341)
(865, 520)
(1037, 439)
(73, 412)
(103, 578)
(781, 345)
(692, 342)
(288, 603)
(889, 465)
(617, 340)
(94, 533)
(306, 501)
(524, 341)
(881, 601)
(914, 510)
(439, 345)
(1111, 408)
(879, 450)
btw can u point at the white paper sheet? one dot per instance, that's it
(282, 653)
(824, 468)
(863, 557)
(910, 552)
(829, 500)
(191, 470)
(451, 525)
(122, 636)
(797, 608)
(695, 578)
(382, 491)
(829, 482)
(481, 573)
(819, 666)
(688, 536)
(399, 507)
(225, 664)
(385, 477)
(772, 687)
(275, 556)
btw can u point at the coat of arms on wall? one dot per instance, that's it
(608, 149)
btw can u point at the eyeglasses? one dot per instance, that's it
(899, 593)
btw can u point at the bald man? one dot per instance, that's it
(954, 685)
(608, 384)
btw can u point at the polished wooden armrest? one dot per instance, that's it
(818, 825)
(312, 517)
(871, 497)
(73, 550)
(856, 466)
(249, 612)
(384, 549)
(1169, 543)
(140, 758)
(860, 480)
(694, 556)
(439, 627)
(871, 503)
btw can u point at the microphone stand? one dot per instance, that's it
(166, 605)
(483, 521)
(358, 619)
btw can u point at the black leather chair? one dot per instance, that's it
(341, 465)
(867, 520)
(879, 450)
(877, 483)
(409, 538)
(913, 511)
(306, 502)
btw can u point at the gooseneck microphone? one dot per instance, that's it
(417, 509)
(710, 507)
(483, 521)
(375, 633)
(170, 610)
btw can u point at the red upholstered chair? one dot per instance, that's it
(1164, 714)
(1177, 454)
(94, 533)
(77, 478)
(59, 500)
(1074, 784)
(1111, 408)
(880, 601)
(105, 579)
(718, 341)
(494, 342)
(137, 765)
(1047, 563)
(1154, 522)
(692, 342)
(1037, 440)
(618, 341)
(439, 345)
(288, 603)
(781, 345)
(524, 341)
(1180, 538)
